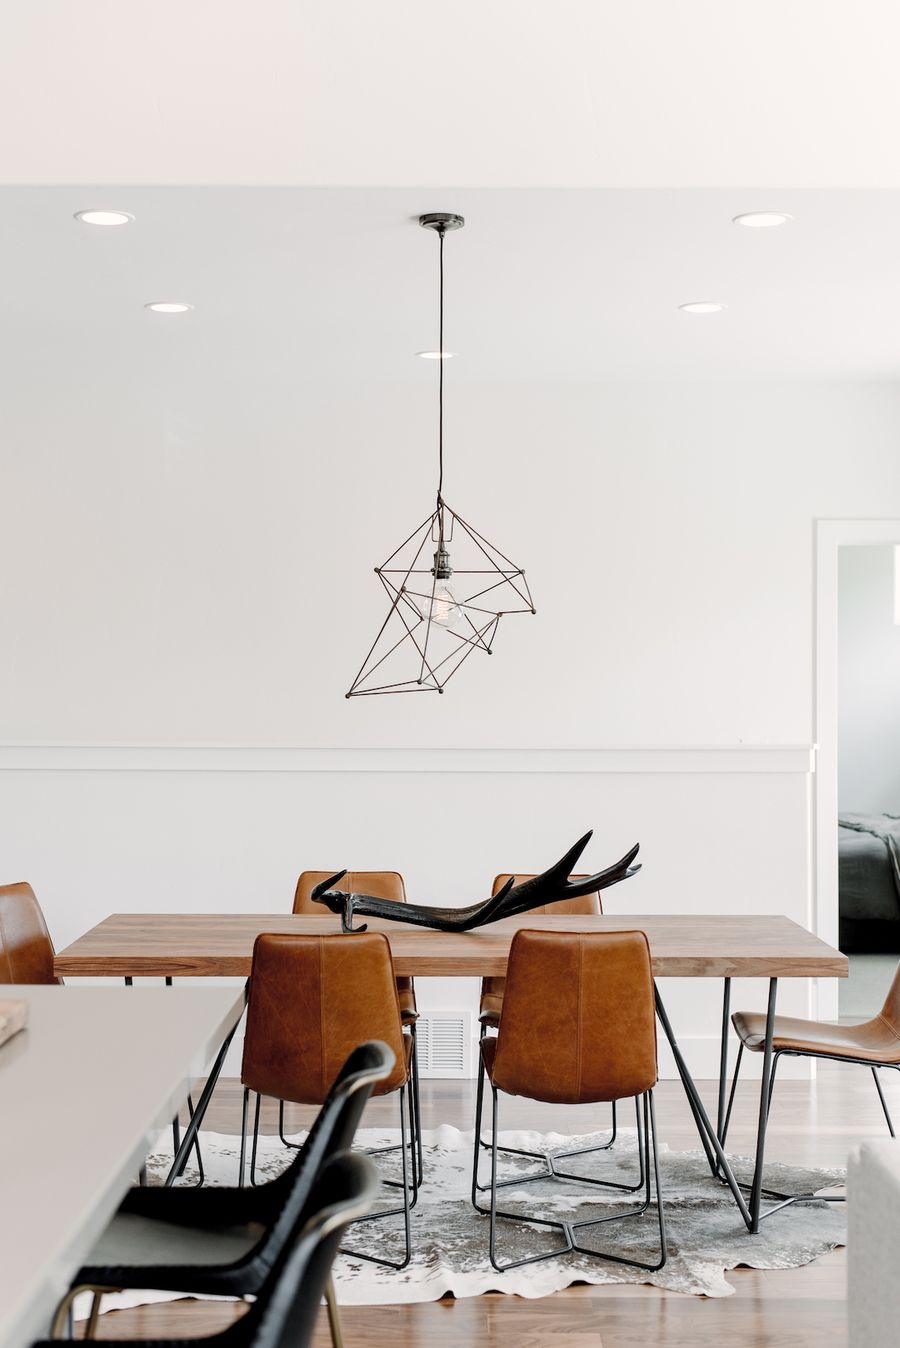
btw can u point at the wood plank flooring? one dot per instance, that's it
(812, 1122)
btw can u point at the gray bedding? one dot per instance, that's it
(865, 877)
(869, 867)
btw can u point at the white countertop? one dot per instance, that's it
(85, 1090)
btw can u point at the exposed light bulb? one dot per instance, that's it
(441, 605)
(445, 609)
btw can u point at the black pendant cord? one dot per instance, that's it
(441, 386)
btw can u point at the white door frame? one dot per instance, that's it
(830, 536)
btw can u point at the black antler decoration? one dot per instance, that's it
(551, 887)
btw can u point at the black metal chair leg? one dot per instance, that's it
(549, 1160)
(495, 1213)
(479, 1105)
(244, 1109)
(295, 1146)
(647, 1136)
(549, 1170)
(334, 1316)
(409, 1195)
(650, 1144)
(887, 1113)
(255, 1140)
(417, 1103)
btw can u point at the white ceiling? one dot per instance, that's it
(295, 286)
(483, 93)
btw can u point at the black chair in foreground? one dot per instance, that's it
(226, 1241)
(287, 1303)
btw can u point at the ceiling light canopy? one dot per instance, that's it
(701, 307)
(106, 219)
(169, 307)
(762, 219)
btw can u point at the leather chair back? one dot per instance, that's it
(380, 884)
(26, 951)
(493, 985)
(312, 1000)
(579, 1020)
(585, 903)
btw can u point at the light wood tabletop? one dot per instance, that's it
(215, 944)
(120, 1060)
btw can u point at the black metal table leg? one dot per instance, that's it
(721, 1111)
(723, 1056)
(708, 1135)
(764, 1099)
(196, 1118)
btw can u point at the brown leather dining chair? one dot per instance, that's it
(381, 885)
(492, 990)
(311, 1001)
(493, 987)
(578, 1026)
(26, 950)
(874, 1044)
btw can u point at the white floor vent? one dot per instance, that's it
(446, 1044)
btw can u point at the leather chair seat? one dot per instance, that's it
(406, 995)
(874, 1040)
(491, 1002)
(488, 1054)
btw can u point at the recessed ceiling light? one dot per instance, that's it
(106, 218)
(436, 355)
(701, 307)
(168, 307)
(762, 219)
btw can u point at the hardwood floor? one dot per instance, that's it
(811, 1122)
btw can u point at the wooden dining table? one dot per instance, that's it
(720, 946)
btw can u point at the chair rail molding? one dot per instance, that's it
(736, 758)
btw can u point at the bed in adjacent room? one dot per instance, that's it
(869, 882)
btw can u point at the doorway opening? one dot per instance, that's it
(858, 778)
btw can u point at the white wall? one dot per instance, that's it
(869, 681)
(191, 568)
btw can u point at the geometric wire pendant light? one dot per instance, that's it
(439, 614)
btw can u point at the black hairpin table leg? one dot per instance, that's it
(712, 1138)
(764, 1101)
(193, 1125)
(708, 1135)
